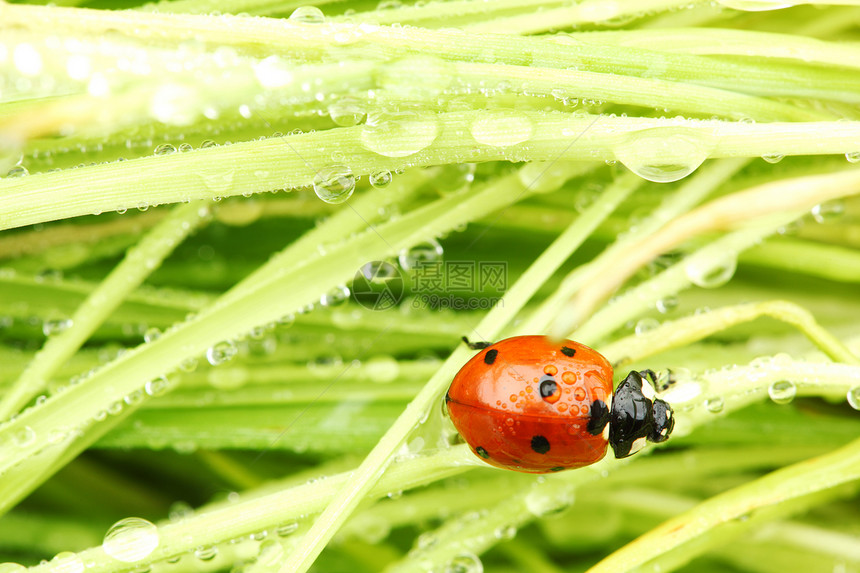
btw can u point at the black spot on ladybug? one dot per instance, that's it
(568, 351)
(599, 417)
(548, 388)
(490, 356)
(482, 452)
(540, 444)
(558, 469)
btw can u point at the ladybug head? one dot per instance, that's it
(637, 416)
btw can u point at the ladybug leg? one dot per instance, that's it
(477, 345)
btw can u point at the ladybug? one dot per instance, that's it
(534, 405)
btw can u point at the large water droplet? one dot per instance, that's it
(782, 392)
(307, 15)
(400, 133)
(465, 563)
(206, 553)
(221, 352)
(334, 184)
(165, 149)
(829, 211)
(854, 397)
(346, 111)
(337, 296)
(664, 154)
(706, 274)
(714, 405)
(67, 562)
(131, 539)
(554, 501)
(420, 254)
(11, 568)
(380, 179)
(853, 156)
(502, 128)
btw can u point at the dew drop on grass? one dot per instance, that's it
(420, 254)
(346, 111)
(156, 386)
(151, 334)
(664, 154)
(381, 179)
(165, 149)
(221, 353)
(51, 327)
(543, 503)
(714, 405)
(853, 156)
(667, 304)
(334, 184)
(829, 211)
(646, 325)
(335, 297)
(131, 539)
(399, 133)
(206, 553)
(19, 171)
(705, 274)
(287, 529)
(307, 15)
(67, 562)
(773, 157)
(502, 128)
(11, 568)
(465, 563)
(454, 177)
(505, 532)
(24, 437)
(854, 397)
(782, 391)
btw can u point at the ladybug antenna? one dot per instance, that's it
(638, 416)
(476, 345)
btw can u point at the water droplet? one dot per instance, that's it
(714, 405)
(420, 254)
(221, 353)
(165, 149)
(346, 111)
(705, 274)
(287, 529)
(273, 72)
(853, 156)
(382, 369)
(24, 437)
(646, 325)
(543, 176)
(67, 562)
(12, 568)
(151, 334)
(543, 503)
(773, 157)
(454, 177)
(829, 211)
(157, 386)
(400, 133)
(185, 147)
(782, 392)
(854, 397)
(51, 327)
(19, 171)
(207, 143)
(335, 297)
(465, 563)
(664, 154)
(334, 184)
(206, 553)
(502, 128)
(505, 532)
(307, 15)
(131, 539)
(667, 304)
(380, 179)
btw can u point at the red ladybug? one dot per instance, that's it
(533, 405)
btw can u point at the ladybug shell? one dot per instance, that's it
(525, 404)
